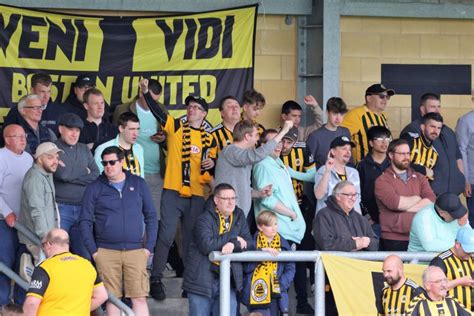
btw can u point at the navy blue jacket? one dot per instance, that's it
(199, 273)
(120, 221)
(285, 271)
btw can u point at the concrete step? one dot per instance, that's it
(173, 287)
(169, 307)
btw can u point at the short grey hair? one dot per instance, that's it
(426, 276)
(26, 99)
(341, 185)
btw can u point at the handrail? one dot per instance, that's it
(298, 256)
(33, 238)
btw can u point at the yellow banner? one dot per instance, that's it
(355, 282)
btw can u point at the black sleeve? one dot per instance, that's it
(155, 109)
(438, 262)
(39, 282)
(379, 304)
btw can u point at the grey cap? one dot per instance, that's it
(71, 120)
(47, 148)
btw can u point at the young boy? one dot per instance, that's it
(253, 103)
(318, 141)
(266, 283)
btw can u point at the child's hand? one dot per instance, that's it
(272, 251)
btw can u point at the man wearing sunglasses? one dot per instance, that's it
(119, 226)
(191, 156)
(360, 119)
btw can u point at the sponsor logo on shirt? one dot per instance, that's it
(195, 149)
(36, 284)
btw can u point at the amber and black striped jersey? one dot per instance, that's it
(421, 153)
(223, 136)
(359, 120)
(455, 268)
(422, 305)
(130, 163)
(396, 302)
(260, 127)
(301, 160)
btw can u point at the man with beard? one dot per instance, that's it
(39, 211)
(336, 170)
(400, 193)
(435, 300)
(423, 155)
(398, 293)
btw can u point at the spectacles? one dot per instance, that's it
(402, 154)
(35, 108)
(383, 139)
(107, 162)
(351, 195)
(227, 199)
(18, 136)
(195, 107)
(439, 281)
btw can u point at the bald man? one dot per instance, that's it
(14, 163)
(63, 284)
(434, 301)
(399, 291)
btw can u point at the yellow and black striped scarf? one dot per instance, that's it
(224, 226)
(205, 176)
(265, 283)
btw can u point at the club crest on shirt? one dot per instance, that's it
(195, 149)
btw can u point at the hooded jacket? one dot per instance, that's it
(333, 229)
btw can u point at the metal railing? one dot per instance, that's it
(299, 256)
(25, 231)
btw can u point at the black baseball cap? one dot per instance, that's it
(378, 89)
(84, 80)
(198, 100)
(341, 141)
(451, 203)
(292, 134)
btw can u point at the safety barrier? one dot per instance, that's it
(25, 231)
(299, 256)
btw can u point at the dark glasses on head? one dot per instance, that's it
(111, 162)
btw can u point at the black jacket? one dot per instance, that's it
(199, 273)
(447, 176)
(369, 171)
(333, 229)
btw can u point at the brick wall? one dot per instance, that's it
(367, 43)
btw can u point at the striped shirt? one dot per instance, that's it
(359, 120)
(422, 305)
(223, 136)
(455, 268)
(396, 302)
(421, 153)
(299, 159)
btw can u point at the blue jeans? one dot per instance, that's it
(10, 252)
(69, 216)
(200, 305)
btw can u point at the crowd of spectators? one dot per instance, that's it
(125, 184)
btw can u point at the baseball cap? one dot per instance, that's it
(71, 120)
(450, 203)
(377, 89)
(84, 80)
(198, 100)
(341, 141)
(48, 148)
(292, 134)
(465, 237)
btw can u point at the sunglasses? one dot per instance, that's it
(107, 162)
